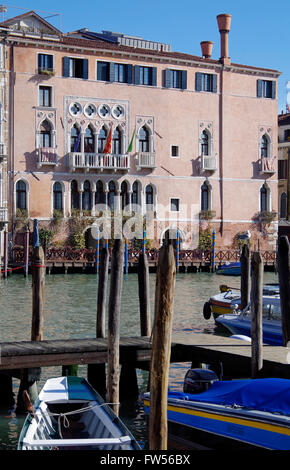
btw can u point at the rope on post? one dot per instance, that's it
(213, 252)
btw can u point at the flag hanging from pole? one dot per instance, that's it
(77, 142)
(130, 148)
(108, 146)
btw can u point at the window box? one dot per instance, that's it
(46, 72)
(267, 217)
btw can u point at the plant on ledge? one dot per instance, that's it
(207, 214)
(266, 217)
(47, 72)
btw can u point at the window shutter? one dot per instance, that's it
(214, 83)
(198, 81)
(112, 72)
(66, 66)
(154, 76)
(183, 79)
(273, 90)
(137, 74)
(85, 68)
(259, 88)
(167, 78)
(129, 73)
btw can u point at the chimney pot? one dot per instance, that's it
(206, 48)
(224, 25)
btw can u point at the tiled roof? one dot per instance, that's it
(284, 119)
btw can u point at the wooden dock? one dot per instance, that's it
(196, 348)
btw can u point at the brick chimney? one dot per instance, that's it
(224, 24)
(206, 49)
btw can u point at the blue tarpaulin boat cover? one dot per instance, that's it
(272, 395)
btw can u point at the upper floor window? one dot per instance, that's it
(143, 139)
(45, 63)
(87, 196)
(205, 201)
(149, 195)
(75, 199)
(204, 143)
(45, 96)
(266, 89)
(100, 193)
(21, 202)
(174, 205)
(116, 142)
(89, 140)
(264, 198)
(123, 73)
(174, 150)
(144, 75)
(75, 139)
(124, 195)
(206, 82)
(45, 134)
(75, 67)
(111, 194)
(264, 147)
(102, 139)
(103, 71)
(282, 169)
(176, 79)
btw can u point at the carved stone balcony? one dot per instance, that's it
(208, 163)
(3, 215)
(98, 162)
(267, 165)
(46, 156)
(145, 160)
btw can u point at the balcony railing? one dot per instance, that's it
(208, 163)
(99, 161)
(267, 165)
(145, 160)
(3, 215)
(46, 156)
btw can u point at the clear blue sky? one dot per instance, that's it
(259, 33)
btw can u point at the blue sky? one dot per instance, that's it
(259, 33)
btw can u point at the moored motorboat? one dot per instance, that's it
(70, 415)
(242, 414)
(229, 269)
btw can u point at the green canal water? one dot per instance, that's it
(70, 312)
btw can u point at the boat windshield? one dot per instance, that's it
(271, 312)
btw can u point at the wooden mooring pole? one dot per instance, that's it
(97, 372)
(161, 346)
(144, 294)
(26, 253)
(283, 265)
(116, 282)
(257, 314)
(245, 276)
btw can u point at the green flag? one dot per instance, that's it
(131, 143)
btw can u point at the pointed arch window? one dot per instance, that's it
(124, 195)
(264, 147)
(102, 139)
(75, 201)
(111, 195)
(100, 194)
(204, 143)
(45, 139)
(116, 142)
(264, 198)
(75, 139)
(205, 202)
(149, 197)
(21, 195)
(89, 140)
(135, 193)
(87, 196)
(57, 197)
(144, 140)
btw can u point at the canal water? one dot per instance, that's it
(70, 312)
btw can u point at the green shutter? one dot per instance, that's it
(183, 79)
(167, 78)
(129, 73)
(214, 83)
(259, 88)
(66, 66)
(137, 74)
(112, 72)
(85, 69)
(273, 90)
(154, 76)
(198, 81)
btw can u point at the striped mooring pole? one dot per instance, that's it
(177, 249)
(126, 258)
(97, 263)
(213, 252)
(144, 241)
(35, 233)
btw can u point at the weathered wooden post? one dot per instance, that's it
(117, 263)
(144, 295)
(257, 313)
(97, 372)
(5, 264)
(126, 258)
(213, 252)
(177, 249)
(161, 347)
(26, 252)
(37, 325)
(283, 264)
(245, 276)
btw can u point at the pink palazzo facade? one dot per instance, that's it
(204, 147)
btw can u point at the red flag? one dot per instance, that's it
(108, 146)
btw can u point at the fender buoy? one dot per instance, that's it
(206, 310)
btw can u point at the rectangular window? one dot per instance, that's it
(45, 96)
(45, 63)
(103, 71)
(174, 150)
(175, 79)
(206, 82)
(266, 89)
(282, 169)
(144, 75)
(120, 73)
(174, 205)
(287, 135)
(75, 68)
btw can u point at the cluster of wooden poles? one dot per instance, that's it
(160, 333)
(252, 292)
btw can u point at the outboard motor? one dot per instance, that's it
(198, 380)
